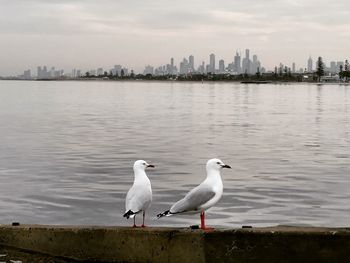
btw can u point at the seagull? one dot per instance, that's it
(202, 197)
(139, 197)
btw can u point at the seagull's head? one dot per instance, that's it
(142, 165)
(216, 164)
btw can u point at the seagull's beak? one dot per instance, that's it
(226, 166)
(150, 165)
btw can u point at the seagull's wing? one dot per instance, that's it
(138, 198)
(193, 200)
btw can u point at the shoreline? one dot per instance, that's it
(181, 81)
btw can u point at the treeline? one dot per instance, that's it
(203, 77)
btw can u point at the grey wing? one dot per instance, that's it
(193, 200)
(138, 198)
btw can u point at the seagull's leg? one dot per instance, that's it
(134, 222)
(203, 227)
(143, 220)
(202, 220)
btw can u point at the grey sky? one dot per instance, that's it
(89, 34)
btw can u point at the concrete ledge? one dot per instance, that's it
(122, 244)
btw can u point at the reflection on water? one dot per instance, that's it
(67, 149)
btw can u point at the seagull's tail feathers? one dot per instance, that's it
(129, 214)
(166, 213)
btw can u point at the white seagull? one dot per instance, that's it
(202, 197)
(139, 196)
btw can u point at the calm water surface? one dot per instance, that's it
(67, 149)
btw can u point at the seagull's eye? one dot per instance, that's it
(144, 163)
(218, 163)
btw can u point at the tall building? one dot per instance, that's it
(255, 65)
(237, 63)
(211, 64)
(116, 70)
(184, 67)
(172, 72)
(246, 63)
(148, 70)
(221, 66)
(293, 67)
(191, 63)
(27, 74)
(333, 67)
(309, 64)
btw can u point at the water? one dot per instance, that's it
(67, 149)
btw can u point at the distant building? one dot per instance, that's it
(221, 66)
(27, 74)
(309, 64)
(184, 67)
(211, 64)
(293, 67)
(333, 67)
(246, 63)
(148, 70)
(191, 63)
(255, 65)
(172, 71)
(237, 63)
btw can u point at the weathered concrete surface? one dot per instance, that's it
(122, 244)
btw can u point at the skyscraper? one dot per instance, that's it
(148, 70)
(184, 66)
(246, 63)
(333, 67)
(191, 63)
(255, 65)
(221, 66)
(309, 64)
(293, 67)
(212, 64)
(172, 66)
(247, 53)
(237, 63)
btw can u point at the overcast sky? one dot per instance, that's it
(89, 33)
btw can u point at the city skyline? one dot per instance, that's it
(86, 34)
(246, 64)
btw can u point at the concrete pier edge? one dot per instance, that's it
(124, 244)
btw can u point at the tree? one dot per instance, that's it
(346, 72)
(340, 71)
(319, 68)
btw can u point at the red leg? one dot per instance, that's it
(202, 220)
(143, 219)
(134, 222)
(203, 227)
